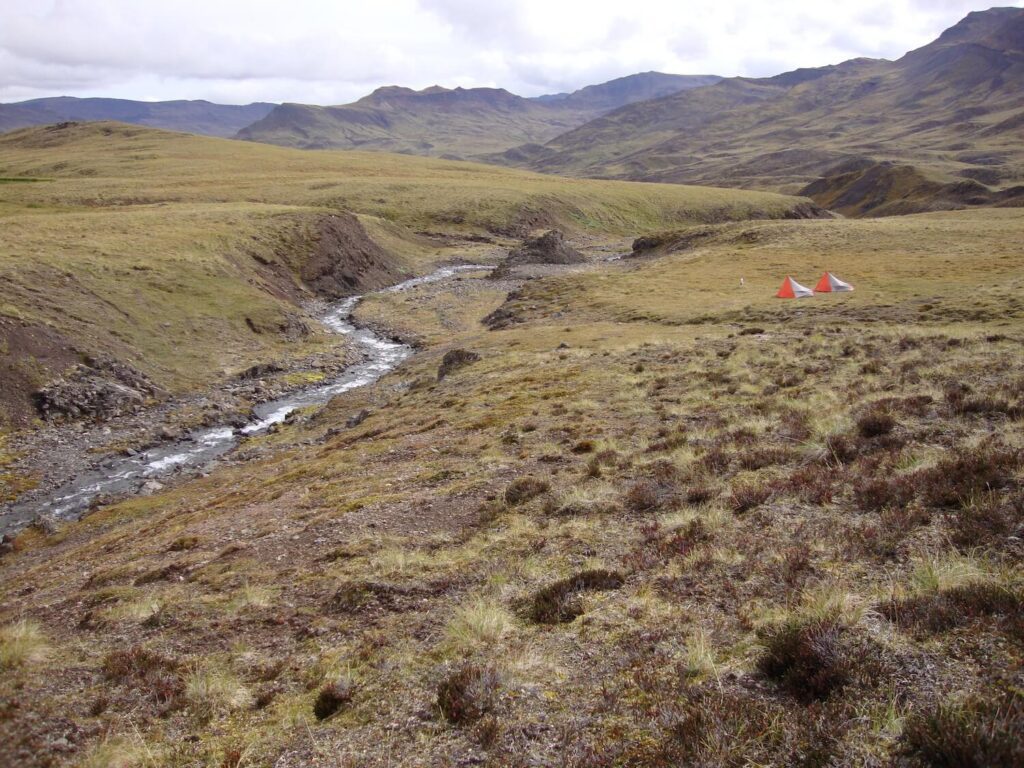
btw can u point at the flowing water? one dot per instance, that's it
(125, 474)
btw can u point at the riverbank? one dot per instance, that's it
(82, 465)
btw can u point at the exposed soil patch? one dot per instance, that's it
(345, 261)
(29, 355)
(549, 248)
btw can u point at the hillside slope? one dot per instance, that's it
(183, 256)
(202, 117)
(661, 521)
(456, 123)
(952, 111)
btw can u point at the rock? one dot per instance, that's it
(150, 487)
(44, 524)
(357, 418)
(100, 388)
(259, 371)
(455, 359)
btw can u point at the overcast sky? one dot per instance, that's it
(334, 51)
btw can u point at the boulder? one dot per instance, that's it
(455, 359)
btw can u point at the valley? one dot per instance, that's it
(378, 455)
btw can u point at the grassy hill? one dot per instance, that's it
(939, 128)
(183, 255)
(200, 117)
(455, 123)
(664, 520)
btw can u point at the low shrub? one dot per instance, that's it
(155, 675)
(814, 484)
(888, 492)
(643, 496)
(759, 458)
(807, 659)
(950, 608)
(468, 693)
(989, 521)
(969, 473)
(332, 698)
(983, 731)
(744, 498)
(875, 423)
(523, 489)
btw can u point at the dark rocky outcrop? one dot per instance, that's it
(345, 261)
(549, 248)
(99, 388)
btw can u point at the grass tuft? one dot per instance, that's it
(22, 643)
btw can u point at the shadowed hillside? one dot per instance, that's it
(948, 116)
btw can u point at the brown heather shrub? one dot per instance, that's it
(876, 493)
(950, 608)
(807, 659)
(468, 693)
(714, 461)
(699, 494)
(840, 449)
(990, 521)
(721, 727)
(759, 458)
(153, 674)
(332, 698)
(970, 472)
(983, 732)
(559, 602)
(796, 564)
(643, 496)
(814, 484)
(658, 547)
(744, 498)
(523, 489)
(875, 423)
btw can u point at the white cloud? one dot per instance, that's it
(333, 51)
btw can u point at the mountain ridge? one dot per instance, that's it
(454, 122)
(185, 115)
(963, 91)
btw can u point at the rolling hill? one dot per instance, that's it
(455, 123)
(939, 128)
(202, 117)
(188, 256)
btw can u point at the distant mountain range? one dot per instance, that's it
(942, 127)
(188, 116)
(456, 123)
(434, 121)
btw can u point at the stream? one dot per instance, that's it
(117, 476)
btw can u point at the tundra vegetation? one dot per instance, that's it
(662, 520)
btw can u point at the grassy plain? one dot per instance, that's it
(664, 520)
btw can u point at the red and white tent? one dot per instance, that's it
(829, 283)
(791, 289)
